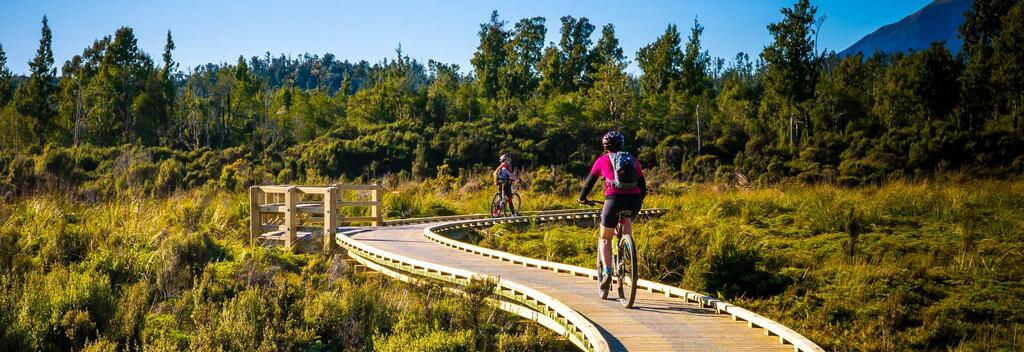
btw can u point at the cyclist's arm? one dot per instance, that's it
(642, 183)
(587, 186)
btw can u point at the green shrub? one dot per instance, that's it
(437, 341)
(170, 176)
(180, 259)
(63, 308)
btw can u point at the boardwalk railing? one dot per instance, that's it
(513, 297)
(754, 320)
(286, 210)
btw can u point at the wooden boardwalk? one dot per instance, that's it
(561, 297)
(656, 323)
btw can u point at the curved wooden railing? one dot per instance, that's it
(515, 298)
(754, 320)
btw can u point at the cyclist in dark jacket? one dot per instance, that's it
(503, 178)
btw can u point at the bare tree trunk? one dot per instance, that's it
(78, 116)
(697, 114)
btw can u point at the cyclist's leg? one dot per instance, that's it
(627, 224)
(609, 218)
(506, 190)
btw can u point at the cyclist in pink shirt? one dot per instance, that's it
(624, 190)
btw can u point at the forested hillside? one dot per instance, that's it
(115, 116)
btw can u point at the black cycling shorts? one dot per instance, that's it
(620, 202)
(505, 187)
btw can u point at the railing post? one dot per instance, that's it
(330, 218)
(255, 218)
(291, 220)
(375, 210)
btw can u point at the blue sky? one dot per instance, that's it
(220, 31)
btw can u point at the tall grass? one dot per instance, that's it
(176, 273)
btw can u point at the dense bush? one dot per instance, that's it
(176, 273)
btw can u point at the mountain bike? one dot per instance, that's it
(623, 261)
(499, 204)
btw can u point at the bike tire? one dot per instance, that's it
(600, 271)
(518, 202)
(627, 271)
(497, 206)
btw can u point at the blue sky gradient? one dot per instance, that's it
(220, 31)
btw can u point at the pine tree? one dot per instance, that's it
(6, 81)
(982, 25)
(167, 90)
(35, 98)
(1008, 59)
(695, 64)
(575, 52)
(660, 62)
(606, 50)
(524, 51)
(612, 94)
(490, 56)
(790, 74)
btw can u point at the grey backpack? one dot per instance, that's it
(626, 174)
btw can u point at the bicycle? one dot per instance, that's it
(623, 260)
(499, 205)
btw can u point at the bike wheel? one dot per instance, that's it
(497, 206)
(627, 271)
(517, 201)
(600, 271)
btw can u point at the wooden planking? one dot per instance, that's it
(582, 332)
(785, 335)
(672, 321)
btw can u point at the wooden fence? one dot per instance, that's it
(285, 211)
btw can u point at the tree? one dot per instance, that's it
(982, 25)
(612, 93)
(790, 74)
(123, 76)
(918, 89)
(246, 101)
(490, 56)
(694, 65)
(660, 62)
(6, 82)
(551, 73)
(606, 50)
(524, 51)
(575, 51)
(34, 98)
(166, 86)
(1008, 59)
(77, 94)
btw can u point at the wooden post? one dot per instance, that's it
(330, 218)
(291, 221)
(255, 218)
(376, 196)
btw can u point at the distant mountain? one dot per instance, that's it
(937, 22)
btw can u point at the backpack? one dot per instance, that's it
(497, 177)
(626, 174)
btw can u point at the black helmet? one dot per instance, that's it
(613, 140)
(504, 158)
